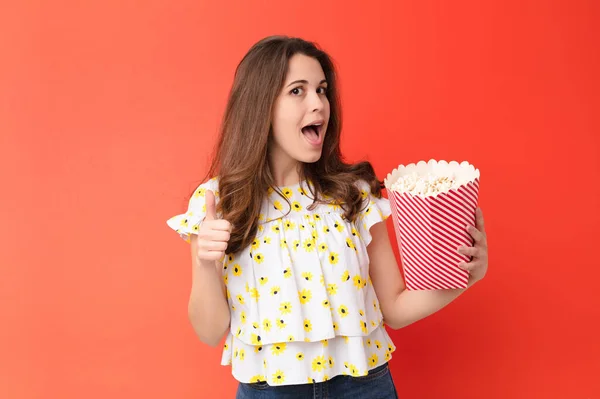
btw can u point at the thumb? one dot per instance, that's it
(211, 207)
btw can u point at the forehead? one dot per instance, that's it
(303, 67)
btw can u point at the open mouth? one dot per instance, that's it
(313, 132)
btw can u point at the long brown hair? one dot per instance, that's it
(240, 159)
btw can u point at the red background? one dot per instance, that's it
(108, 111)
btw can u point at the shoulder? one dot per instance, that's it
(211, 184)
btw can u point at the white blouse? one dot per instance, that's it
(303, 308)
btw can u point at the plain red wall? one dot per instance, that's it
(109, 109)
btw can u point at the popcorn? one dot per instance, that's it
(432, 203)
(426, 185)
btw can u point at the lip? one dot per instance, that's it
(315, 122)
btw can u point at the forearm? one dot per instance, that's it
(208, 309)
(412, 306)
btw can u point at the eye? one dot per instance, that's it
(296, 91)
(323, 90)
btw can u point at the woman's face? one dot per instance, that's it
(300, 115)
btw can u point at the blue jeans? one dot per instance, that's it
(378, 384)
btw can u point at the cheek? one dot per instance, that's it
(285, 120)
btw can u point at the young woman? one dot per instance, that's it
(289, 255)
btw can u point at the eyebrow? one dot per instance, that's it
(305, 82)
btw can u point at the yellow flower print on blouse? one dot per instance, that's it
(287, 272)
(289, 225)
(285, 308)
(309, 244)
(332, 289)
(333, 258)
(318, 363)
(307, 276)
(296, 206)
(257, 378)
(343, 311)
(346, 276)
(326, 229)
(237, 270)
(363, 327)
(338, 226)
(296, 245)
(278, 349)
(359, 282)
(201, 192)
(331, 362)
(255, 339)
(307, 325)
(278, 377)
(287, 192)
(243, 317)
(305, 295)
(254, 293)
(242, 354)
(352, 370)
(275, 290)
(255, 244)
(267, 325)
(267, 240)
(300, 356)
(240, 299)
(263, 280)
(277, 205)
(323, 247)
(350, 244)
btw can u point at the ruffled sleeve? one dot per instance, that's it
(188, 223)
(375, 210)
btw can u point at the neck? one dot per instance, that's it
(285, 172)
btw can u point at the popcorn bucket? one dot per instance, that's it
(432, 203)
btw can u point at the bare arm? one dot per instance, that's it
(400, 307)
(208, 309)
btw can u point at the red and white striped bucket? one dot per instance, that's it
(429, 229)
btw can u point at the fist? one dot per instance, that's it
(213, 234)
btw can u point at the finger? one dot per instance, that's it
(479, 220)
(470, 266)
(214, 235)
(210, 255)
(211, 207)
(477, 235)
(221, 225)
(469, 251)
(212, 245)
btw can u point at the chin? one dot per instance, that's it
(311, 158)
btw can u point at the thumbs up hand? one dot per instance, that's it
(213, 234)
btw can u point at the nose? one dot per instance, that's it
(316, 102)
